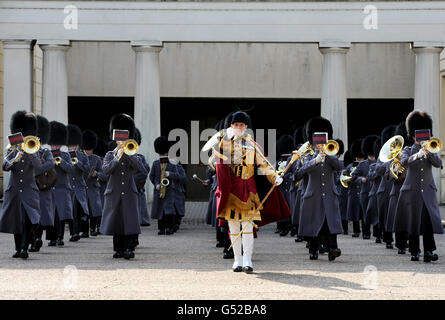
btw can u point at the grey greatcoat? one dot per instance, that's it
(371, 216)
(294, 195)
(393, 198)
(78, 182)
(140, 177)
(103, 181)
(174, 199)
(21, 193)
(382, 169)
(354, 206)
(418, 191)
(120, 215)
(63, 201)
(320, 199)
(211, 208)
(46, 197)
(343, 194)
(93, 186)
(360, 173)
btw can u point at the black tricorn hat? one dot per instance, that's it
(285, 144)
(122, 121)
(74, 135)
(89, 140)
(43, 131)
(298, 137)
(418, 120)
(58, 134)
(137, 136)
(162, 145)
(341, 147)
(356, 149)
(387, 133)
(368, 145)
(101, 148)
(24, 122)
(318, 124)
(377, 146)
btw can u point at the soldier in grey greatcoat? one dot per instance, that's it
(46, 194)
(120, 215)
(63, 202)
(77, 180)
(360, 175)
(417, 210)
(354, 210)
(21, 202)
(166, 209)
(89, 144)
(382, 169)
(320, 214)
(141, 179)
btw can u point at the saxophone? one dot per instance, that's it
(164, 181)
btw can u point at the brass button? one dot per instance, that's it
(123, 183)
(322, 184)
(123, 193)
(422, 190)
(21, 180)
(421, 179)
(21, 190)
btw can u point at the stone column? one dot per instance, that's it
(17, 84)
(147, 111)
(55, 80)
(333, 92)
(427, 90)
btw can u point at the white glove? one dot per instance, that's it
(167, 173)
(230, 133)
(319, 158)
(420, 154)
(278, 180)
(158, 187)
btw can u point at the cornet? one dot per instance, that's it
(129, 146)
(434, 145)
(30, 145)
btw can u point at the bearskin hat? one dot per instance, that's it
(418, 120)
(24, 122)
(122, 121)
(137, 136)
(285, 144)
(341, 147)
(387, 133)
(89, 140)
(229, 119)
(347, 158)
(368, 145)
(162, 145)
(377, 146)
(401, 131)
(240, 116)
(356, 149)
(318, 124)
(74, 135)
(43, 131)
(298, 137)
(58, 134)
(101, 148)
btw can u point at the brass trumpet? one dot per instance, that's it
(57, 160)
(331, 148)
(392, 151)
(74, 160)
(129, 146)
(434, 145)
(30, 144)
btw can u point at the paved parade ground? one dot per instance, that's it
(187, 265)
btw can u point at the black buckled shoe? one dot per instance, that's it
(415, 257)
(24, 254)
(228, 254)
(284, 232)
(161, 232)
(366, 237)
(356, 235)
(16, 255)
(389, 246)
(84, 235)
(169, 231)
(248, 269)
(334, 253)
(313, 256)
(322, 249)
(74, 238)
(378, 240)
(298, 239)
(401, 251)
(118, 254)
(293, 232)
(128, 254)
(238, 269)
(93, 233)
(429, 256)
(52, 243)
(60, 242)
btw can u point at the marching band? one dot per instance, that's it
(60, 175)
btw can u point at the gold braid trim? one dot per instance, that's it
(246, 209)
